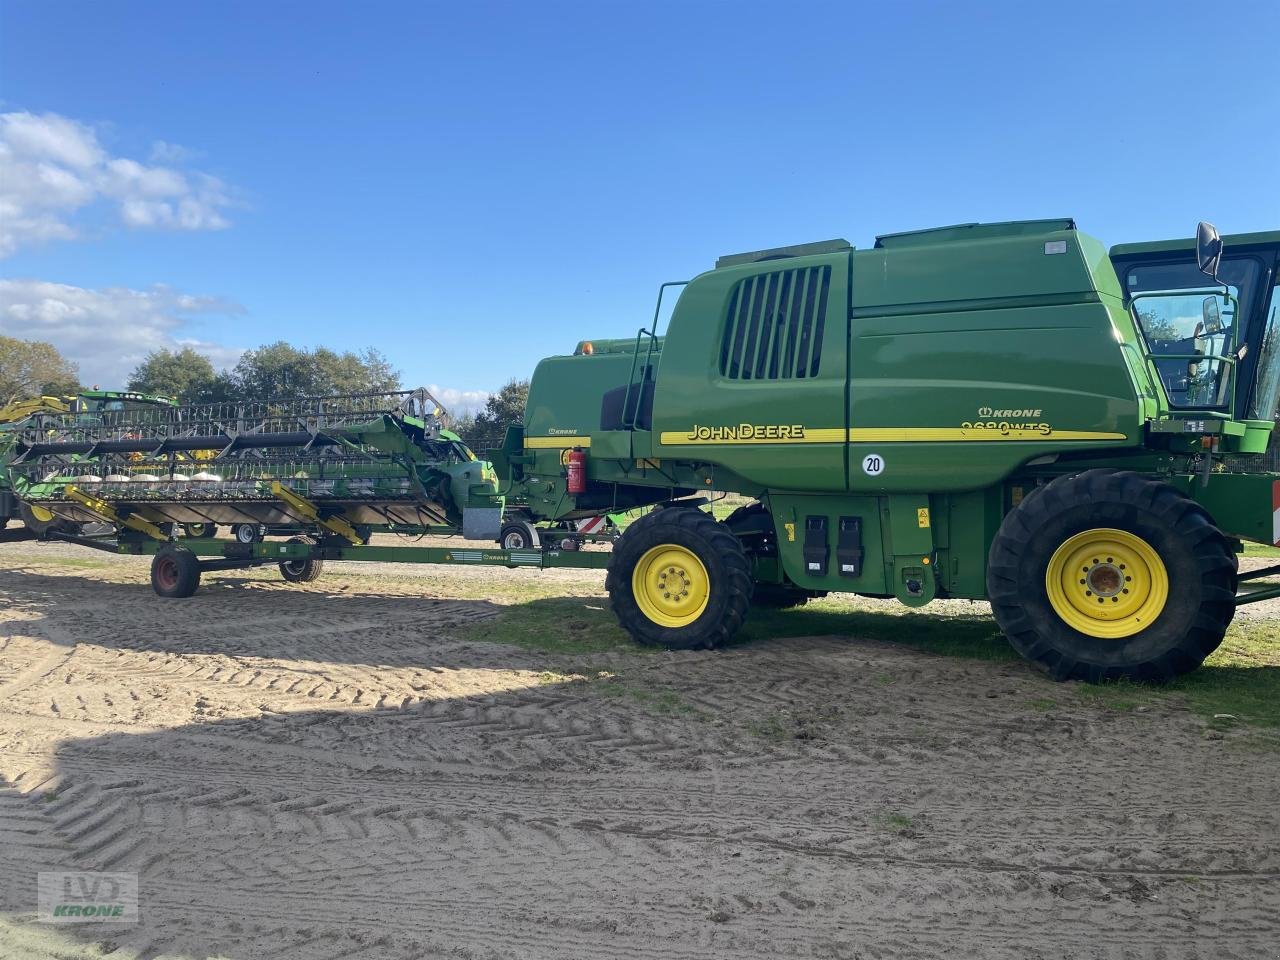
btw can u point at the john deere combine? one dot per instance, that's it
(987, 411)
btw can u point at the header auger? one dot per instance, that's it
(1003, 412)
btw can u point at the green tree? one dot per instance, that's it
(1156, 327)
(33, 368)
(487, 430)
(182, 374)
(280, 371)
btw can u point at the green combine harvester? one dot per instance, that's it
(1001, 412)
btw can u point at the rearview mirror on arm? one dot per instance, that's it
(1208, 248)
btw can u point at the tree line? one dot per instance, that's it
(277, 371)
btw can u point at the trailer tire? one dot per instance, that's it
(707, 573)
(175, 573)
(199, 531)
(518, 535)
(301, 571)
(1059, 565)
(246, 533)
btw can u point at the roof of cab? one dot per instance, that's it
(1232, 241)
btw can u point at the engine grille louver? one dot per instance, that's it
(774, 326)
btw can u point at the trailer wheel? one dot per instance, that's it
(518, 535)
(175, 573)
(199, 531)
(246, 533)
(1108, 574)
(679, 579)
(301, 571)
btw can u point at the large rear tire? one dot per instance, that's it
(679, 579)
(1108, 574)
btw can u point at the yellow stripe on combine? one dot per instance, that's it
(985, 435)
(555, 443)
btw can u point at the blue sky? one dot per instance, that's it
(470, 187)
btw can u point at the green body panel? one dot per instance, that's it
(1245, 505)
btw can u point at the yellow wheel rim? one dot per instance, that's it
(671, 585)
(40, 513)
(1107, 583)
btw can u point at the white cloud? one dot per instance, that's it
(460, 402)
(108, 332)
(53, 172)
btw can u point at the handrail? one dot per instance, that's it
(629, 420)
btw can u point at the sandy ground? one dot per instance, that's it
(331, 771)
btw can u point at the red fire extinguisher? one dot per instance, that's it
(576, 470)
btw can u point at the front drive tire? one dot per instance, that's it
(1109, 574)
(679, 579)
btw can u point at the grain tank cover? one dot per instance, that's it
(972, 231)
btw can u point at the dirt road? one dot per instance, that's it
(350, 770)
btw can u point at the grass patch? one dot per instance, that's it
(965, 636)
(1241, 679)
(895, 822)
(662, 703)
(75, 563)
(782, 725)
(1260, 550)
(574, 625)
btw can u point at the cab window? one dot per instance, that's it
(1266, 401)
(1187, 332)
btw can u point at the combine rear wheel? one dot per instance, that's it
(679, 579)
(301, 571)
(175, 573)
(1108, 574)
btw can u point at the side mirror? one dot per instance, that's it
(1208, 249)
(1211, 314)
